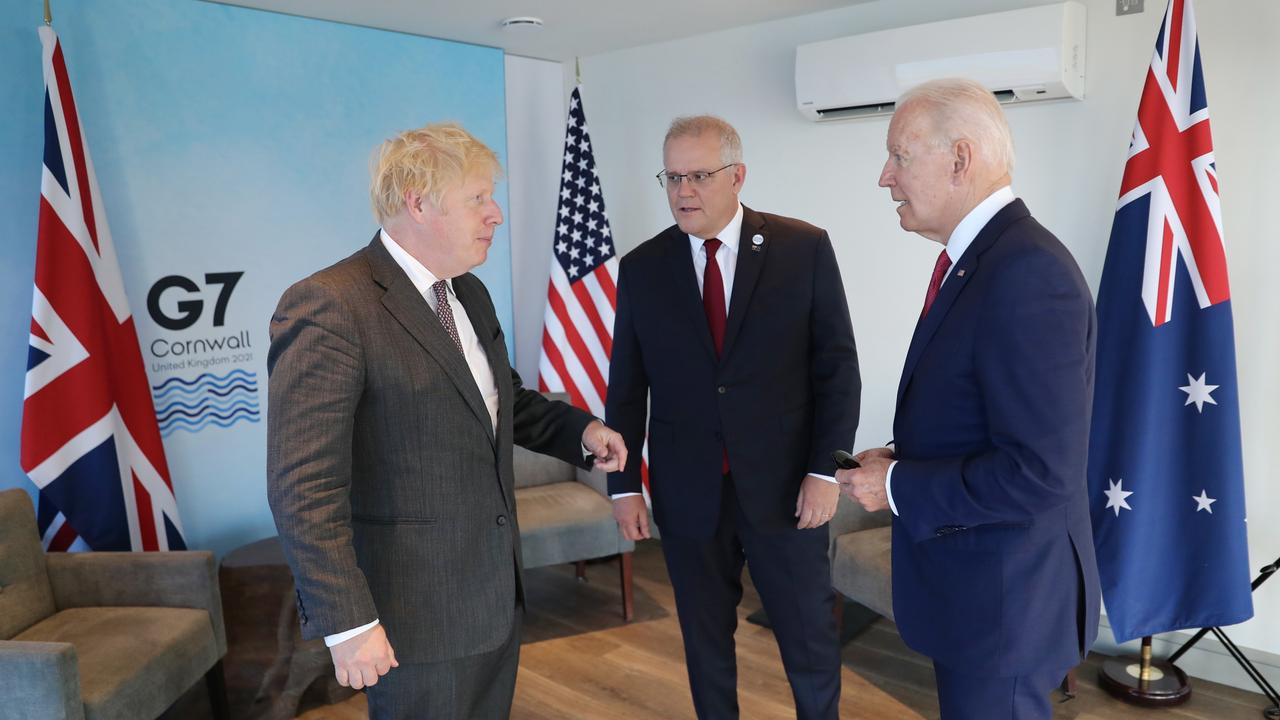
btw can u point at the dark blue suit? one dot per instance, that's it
(993, 564)
(783, 394)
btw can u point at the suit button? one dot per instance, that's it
(722, 389)
(502, 520)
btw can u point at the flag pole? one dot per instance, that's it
(48, 14)
(577, 67)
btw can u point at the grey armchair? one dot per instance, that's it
(102, 635)
(566, 516)
(861, 566)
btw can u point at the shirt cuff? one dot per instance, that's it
(828, 478)
(331, 640)
(622, 495)
(888, 487)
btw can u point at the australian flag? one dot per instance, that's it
(1166, 483)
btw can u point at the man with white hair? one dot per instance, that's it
(994, 574)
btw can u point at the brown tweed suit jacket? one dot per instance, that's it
(392, 493)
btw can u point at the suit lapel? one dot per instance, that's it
(746, 273)
(413, 313)
(960, 276)
(485, 323)
(685, 281)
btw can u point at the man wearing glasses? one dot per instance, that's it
(732, 339)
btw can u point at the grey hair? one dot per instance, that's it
(962, 109)
(694, 125)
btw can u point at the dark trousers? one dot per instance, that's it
(476, 687)
(970, 697)
(792, 573)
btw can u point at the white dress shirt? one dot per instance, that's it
(727, 258)
(472, 351)
(961, 238)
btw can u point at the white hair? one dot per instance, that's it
(962, 109)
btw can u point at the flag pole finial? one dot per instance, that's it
(48, 14)
(577, 66)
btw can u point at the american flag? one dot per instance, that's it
(90, 441)
(1166, 479)
(577, 335)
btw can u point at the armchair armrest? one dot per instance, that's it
(127, 579)
(40, 680)
(594, 479)
(850, 517)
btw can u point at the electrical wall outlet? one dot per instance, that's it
(1128, 7)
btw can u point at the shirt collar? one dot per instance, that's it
(729, 235)
(419, 275)
(968, 229)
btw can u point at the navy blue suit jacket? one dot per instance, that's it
(784, 394)
(992, 535)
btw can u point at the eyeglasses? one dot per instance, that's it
(697, 178)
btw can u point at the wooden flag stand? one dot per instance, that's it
(1144, 681)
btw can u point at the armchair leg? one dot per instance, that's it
(1069, 684)
(837, 610)
(217, 685)
(628, 602)
(580, 570)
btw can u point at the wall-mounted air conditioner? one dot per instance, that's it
(1021, 55)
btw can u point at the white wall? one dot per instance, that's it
(1070, 157)
(536, 110)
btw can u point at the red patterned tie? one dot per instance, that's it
(445, 312)
(713, 307)
(713, 295)
(935, 282)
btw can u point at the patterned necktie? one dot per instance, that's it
(446, 312)
(713, 295)
(935, 282)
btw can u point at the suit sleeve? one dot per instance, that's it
(837, 384)
(316, 370)
(626, 408)
(1034, 369)
(544, 426)
(547, 426)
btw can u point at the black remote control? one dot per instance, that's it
(844, 460)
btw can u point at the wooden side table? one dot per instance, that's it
(261, 614)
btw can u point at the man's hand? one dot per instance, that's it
(607, 445)
(632, 517)
(816, 503)
(359, 661)
(866, 484)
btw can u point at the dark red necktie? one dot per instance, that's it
(713, 306)
(713, 295)
(935, 281)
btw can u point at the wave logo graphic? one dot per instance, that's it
(208, 399)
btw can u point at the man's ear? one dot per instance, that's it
(415, 205)
(961, 159)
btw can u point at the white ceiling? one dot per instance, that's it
(573, 28)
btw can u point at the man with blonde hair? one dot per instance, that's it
(733, 347)
(994, 574)
(393, 410)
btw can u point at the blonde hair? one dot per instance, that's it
(695, 125)
(429, 160)
(962, 109)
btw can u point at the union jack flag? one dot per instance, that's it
(1166, 478)
(90, 441)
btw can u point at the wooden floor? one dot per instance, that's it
(580, 660)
